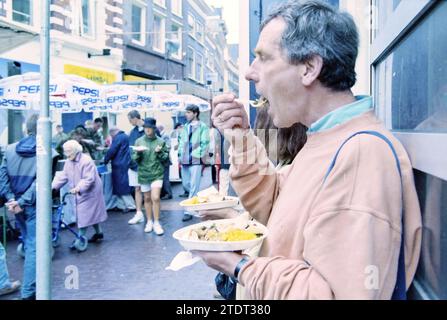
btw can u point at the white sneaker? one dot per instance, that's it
(137, 218)
(149, 227)
(158, 229)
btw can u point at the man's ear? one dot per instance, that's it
(312, 70)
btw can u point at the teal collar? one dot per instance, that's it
(342, 114)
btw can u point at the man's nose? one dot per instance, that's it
(251, 75)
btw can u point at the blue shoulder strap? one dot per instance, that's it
(399, 292)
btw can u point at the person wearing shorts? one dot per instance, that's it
(149, 153)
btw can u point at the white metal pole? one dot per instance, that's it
(44, 152)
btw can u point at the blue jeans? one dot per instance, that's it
(4, 276)
(191, 179)
(27, 224)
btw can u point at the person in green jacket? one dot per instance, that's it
(194, 152)
(150, 152)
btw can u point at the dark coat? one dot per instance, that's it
(119, 154)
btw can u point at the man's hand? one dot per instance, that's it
(74, 190)
(158, 149)
(228, 113)
(225, 262)
(14, 207)
(225, 213)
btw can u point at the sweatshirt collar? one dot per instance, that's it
(343, 114)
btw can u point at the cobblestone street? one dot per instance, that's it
(128, 264)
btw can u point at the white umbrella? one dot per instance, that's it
(193, 100)
(166, 101)
(121, 98)
(68, 93)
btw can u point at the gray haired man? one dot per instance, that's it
(332, 228)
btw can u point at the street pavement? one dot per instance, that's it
(128, 264)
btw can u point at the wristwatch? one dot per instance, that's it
(239, 266)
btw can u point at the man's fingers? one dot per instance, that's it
(230, 113)
(231, 123)
(222, 107)
(223, 98)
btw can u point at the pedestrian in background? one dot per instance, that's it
(120, 156)
(193, 148)
(82, 176)
(59, 136)
(150, 152)
(95, 139)
(176, 134)
(18, 185)
(167, 190)
(137, 132)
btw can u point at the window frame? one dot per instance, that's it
(92, 12)
(192, 31)
(161, 5)
(200, 32)
(162, 33)
(31, 15)
(180, 7)
(202, 74)
(77, 27)
(192, 74)
(180, 39)
(143, 19)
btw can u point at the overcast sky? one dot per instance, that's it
(231, 17)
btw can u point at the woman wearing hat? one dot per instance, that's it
(150, 152)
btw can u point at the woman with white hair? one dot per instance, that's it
(85, 184)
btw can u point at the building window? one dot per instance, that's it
(22, 11)
(191, 64)
(191, 26)
(158, 43)
(175, 37)
(138, 24)
(384, 9)
(87, 15)
(210, 62)
(200, 32)
(199, 69)
(161, 3)
(83, 18)
(413, 78)
(176, 7)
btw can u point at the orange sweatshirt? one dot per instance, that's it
(337, 241)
